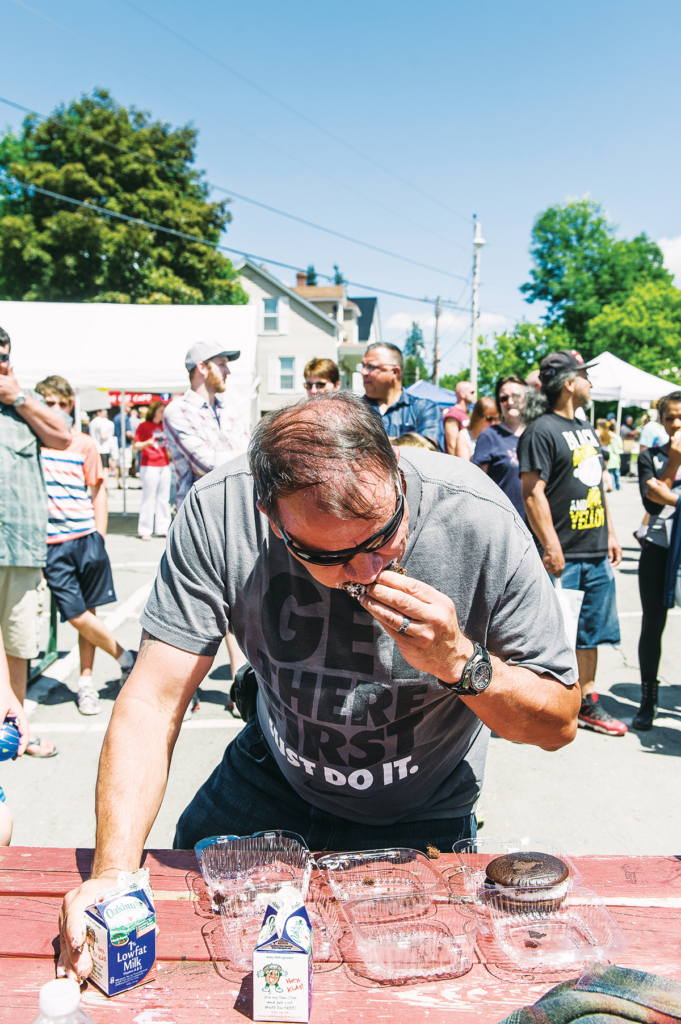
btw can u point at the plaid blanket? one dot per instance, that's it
(606, 995)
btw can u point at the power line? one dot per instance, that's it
(231, 124)
(103, 212)
(255, 202)
(292, 110)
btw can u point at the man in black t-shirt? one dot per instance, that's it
(562, 479)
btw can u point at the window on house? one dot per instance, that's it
(286, 371)
(271, 319)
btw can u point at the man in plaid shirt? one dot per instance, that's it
(201, 434)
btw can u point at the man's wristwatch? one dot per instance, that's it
(476, 675)
(19, 400)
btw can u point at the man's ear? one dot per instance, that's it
(273, 525)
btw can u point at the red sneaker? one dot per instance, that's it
(592, 715)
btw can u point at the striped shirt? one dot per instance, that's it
(200, 437)
(68, 475)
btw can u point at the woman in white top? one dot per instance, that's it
(484, 414)
(102, 433)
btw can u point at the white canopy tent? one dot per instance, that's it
(132, 348)
(615, 380)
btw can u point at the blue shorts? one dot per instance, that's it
(78, 573)
(598, 619)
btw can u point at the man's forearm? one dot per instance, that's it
(51, 429)
(101, 508)
(522, 706)
(541, 521)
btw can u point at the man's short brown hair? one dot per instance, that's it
(55, 385)
(324, 368)
(333, 444)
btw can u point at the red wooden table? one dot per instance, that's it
(196, 983)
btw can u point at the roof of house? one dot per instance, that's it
(292, 292)
(368, 309)
(313, 291)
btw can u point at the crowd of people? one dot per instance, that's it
(531, 439)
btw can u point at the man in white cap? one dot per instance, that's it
(200, 432)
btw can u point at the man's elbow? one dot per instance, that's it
(564, 729)
(61, 438)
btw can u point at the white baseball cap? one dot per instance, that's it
(202, 351)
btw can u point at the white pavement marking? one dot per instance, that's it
(206, 723)
(637, 615)
(61, 669)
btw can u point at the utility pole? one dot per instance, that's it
(478, 242)
(436, 355)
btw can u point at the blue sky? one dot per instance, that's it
(490, 107)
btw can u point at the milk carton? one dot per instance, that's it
(283, 963)
(121, 934)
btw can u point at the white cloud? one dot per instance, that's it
(671, 249)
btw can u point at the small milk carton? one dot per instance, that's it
(121, 934)
(282, 962)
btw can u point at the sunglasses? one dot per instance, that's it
(62, 403)
(311, 385)
(373, 543)
(4, 357)
(506, 398)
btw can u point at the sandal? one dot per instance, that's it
(37, 742)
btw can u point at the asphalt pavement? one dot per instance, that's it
(600, 795)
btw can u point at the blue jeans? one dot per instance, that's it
(598, 619)
(615, 474)
(247, 793)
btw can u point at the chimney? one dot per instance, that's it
(302, 278)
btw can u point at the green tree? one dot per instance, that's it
(126, 163)
(337, 275)
(414, 351)
(645, 329)
(311, 278)
(579, 267)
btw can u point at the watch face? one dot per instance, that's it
(481, 676)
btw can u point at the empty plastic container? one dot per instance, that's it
(370, 873)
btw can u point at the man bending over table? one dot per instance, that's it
(374, 713)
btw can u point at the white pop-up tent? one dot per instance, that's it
(132, 348)
(615, 380)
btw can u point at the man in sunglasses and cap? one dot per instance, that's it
(376, 691)
(200, 432)
(561, 470)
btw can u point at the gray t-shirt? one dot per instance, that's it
(356, 730)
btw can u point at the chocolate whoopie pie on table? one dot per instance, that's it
(529, 880)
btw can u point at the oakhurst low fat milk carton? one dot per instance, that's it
(282, 961)
(121, 934)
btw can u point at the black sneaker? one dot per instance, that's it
(592, 715)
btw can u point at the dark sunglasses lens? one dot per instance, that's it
(4, 357)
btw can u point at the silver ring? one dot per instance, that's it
(405, 624)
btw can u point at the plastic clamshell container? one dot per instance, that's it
(412, 937)
(473, 856)
(242, 915)
(580, 930)
(370, 873)
(261, 862)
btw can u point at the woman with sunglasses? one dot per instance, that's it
(497, 451)
(484, 415)
(321, 375)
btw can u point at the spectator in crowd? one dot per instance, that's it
(457, 418)
(78, 571)
(497, 450)
(627, 427)
(485, 413)
(562, 481)
(202, 434)
(532, 380)
(653, 434)
(124, 441)
(614, 446)
(411, 440)
(150, 441)
(10, 707)
(401, 412)
(659, 478)
(102, 432)
(25, 424)
(321, 375)
(402, 761)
